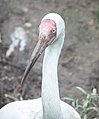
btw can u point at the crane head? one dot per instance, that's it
(47, 31)
(51, 27)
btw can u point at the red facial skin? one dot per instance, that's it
(47, 30)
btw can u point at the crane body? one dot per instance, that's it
(49, 106)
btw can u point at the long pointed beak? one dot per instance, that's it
(40, 47)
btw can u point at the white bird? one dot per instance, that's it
(49, 106)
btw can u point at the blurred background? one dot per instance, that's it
(79, 60)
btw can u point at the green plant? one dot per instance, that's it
(13, 98)
(97, 14)
(86, 105)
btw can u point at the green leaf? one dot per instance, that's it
(67, 98)
(82, 90)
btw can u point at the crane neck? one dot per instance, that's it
(50, 89)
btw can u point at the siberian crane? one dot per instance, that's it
(49, 106)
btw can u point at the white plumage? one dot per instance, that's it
(49, 106)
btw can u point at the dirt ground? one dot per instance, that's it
(79, 60)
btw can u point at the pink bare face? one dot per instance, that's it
(47, 30)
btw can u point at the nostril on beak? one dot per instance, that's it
(42, 36)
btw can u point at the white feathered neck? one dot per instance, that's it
(50, 89)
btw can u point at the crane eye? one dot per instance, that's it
(53, 30)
